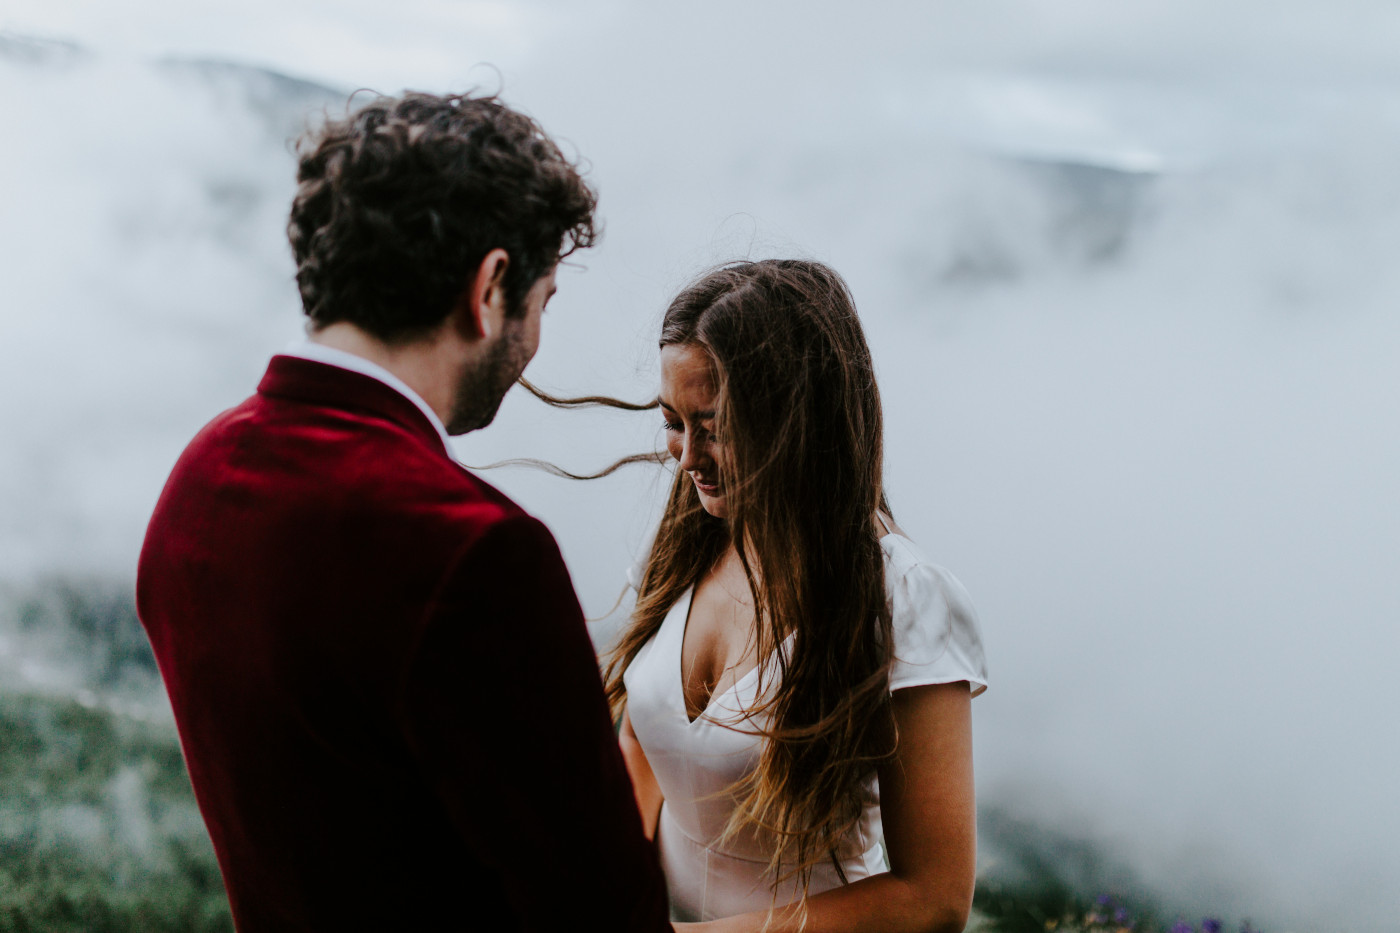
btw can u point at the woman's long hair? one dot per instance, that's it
(801, 430)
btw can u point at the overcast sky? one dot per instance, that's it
(436, 41)
(1276, 60)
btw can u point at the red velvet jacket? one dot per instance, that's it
(385, 692)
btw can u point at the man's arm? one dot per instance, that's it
(503, 708)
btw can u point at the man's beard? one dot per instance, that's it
(481, 389)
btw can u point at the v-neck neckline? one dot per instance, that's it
(682, 608)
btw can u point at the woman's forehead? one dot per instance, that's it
(688, 381)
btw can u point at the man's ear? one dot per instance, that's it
(481, 309)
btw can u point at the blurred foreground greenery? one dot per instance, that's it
(99, 831)
(98, 826)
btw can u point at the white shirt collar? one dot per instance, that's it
(320, 353)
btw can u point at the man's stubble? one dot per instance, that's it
(483, 386)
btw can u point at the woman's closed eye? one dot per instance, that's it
(701, 434)
(676, 425)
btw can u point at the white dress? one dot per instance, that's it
(936, 640)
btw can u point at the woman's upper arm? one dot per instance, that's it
(927, 802)
(628, 737)
(644, 786)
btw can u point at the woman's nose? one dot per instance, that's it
(693, 454)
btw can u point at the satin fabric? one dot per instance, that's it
(936, 640)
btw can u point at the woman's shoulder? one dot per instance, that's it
(937, 636)
(904, 558)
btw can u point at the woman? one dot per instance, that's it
(795, 681)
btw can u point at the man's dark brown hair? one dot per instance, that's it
(398, 204)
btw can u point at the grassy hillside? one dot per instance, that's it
(99, 832)
(98, 826)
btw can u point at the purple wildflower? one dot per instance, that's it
(1181, 926)
(1121, 916)
(1210, 925)
(1103, 900)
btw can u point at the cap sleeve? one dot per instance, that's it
(936, 635)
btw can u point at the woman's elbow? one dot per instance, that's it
(943, 914)
(946, 918)
(936, 901)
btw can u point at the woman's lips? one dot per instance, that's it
(709, 489)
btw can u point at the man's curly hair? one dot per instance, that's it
(398, 204)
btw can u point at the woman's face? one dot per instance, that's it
(689, 401)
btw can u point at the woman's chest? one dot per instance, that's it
(718, 646)
(710, 749)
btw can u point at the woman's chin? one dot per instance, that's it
(714, 505)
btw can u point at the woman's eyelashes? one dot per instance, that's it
(677, 427)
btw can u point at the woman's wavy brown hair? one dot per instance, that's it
(801, 429)
(398, 203)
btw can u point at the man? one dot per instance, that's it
(386, 695)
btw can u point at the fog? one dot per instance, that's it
(1127, 274)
